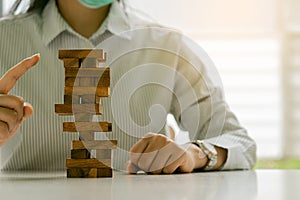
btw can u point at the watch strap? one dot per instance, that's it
(210, 151)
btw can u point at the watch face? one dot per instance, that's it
(210, 148)
(213, 158)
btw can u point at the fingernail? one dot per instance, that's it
(37, 54)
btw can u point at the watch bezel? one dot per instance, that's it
(210, 151)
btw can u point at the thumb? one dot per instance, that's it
(28, 110)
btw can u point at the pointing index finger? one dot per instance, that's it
(10, 78)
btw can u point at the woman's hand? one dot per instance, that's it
(155, 153)
(13, 109)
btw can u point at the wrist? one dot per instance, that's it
(210, 151)
(199, 158)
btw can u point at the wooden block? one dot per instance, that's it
(83, 53)
(96, 144)
(93, 82)
(82, 99)
(88, 72)
(89, 173)
(93, 173)
(103, 82)
(86, 163)
(89, 63)
(106, 162)
(72, 81)
(98, 100)
(72, 99)
(71, 62)
(82, 173)
(87, 82)
(90, 99)
(86, 136)
(98, 91)
(104, 172)
(80, 154)
(70, 109)
(87, 126)
(101, 77)
(83, 117)
(103, 154)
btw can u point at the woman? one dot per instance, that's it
(178, 82)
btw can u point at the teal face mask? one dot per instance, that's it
(95, 3)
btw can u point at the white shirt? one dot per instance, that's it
(154, 70)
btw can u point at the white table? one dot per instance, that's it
(231, 185)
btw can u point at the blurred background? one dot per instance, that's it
(255, 45)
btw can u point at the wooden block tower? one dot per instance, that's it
(85, 84)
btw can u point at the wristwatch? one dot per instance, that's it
(210, 151)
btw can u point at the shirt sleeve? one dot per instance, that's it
(200, 108)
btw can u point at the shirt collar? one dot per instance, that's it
(53, 23)
(117, 21)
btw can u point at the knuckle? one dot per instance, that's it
(143, 165)
(12, 100)
(14, 115)
(17, 99)
(133, 156)
(184, 154)
(5, 89)
(148, 135)
(9, 121)
(20, 99)
(160, 137)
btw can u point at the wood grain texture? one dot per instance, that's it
(71, 62)
(98, 91)
(90, 99)
(86, 136)
(87, 126)
(89, 63)
(94, 145)
(87, 82)
(103, 154)
(102, 82)
(85, 117)
(89, 173)
(70, 109)
(93, 82)
(82, 173)
(71, 99)
(82, 53)
(82, 99)
(87, 163)
(80, 154)
(88, 72)
(72, 81)
(104, 172)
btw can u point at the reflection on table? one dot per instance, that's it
(231, 185)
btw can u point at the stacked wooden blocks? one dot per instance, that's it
(85, 85)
